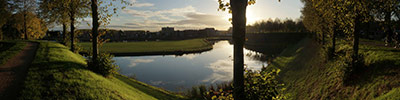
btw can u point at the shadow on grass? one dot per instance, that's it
(387, 69)
(382, 49)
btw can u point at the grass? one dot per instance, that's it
(9, 49)
(308, 75)
(151, 46)
(57, 73)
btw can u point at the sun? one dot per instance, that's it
(251, 16)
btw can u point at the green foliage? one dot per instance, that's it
(261, 85)
(287, 25)
(106, 65)
(35, 27)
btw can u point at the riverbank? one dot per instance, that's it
(57, 73)
(309, 75)
(152, 47)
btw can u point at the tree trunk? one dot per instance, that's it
(356, 40)
(239, 30)
(388, 31)
(25, 30)
(95, 33)
(64, 37)
(72, 31)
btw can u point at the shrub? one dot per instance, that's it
(105, 65)
(259, 85)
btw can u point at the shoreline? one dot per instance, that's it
(178, 52)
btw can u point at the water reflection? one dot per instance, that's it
(180, 72)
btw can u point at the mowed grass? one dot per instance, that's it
(151, 46)
(308, 75)
(9, 49)
(57, 73)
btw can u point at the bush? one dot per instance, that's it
(105, 65)
(259, 85)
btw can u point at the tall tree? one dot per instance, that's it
(55, 12)
(35, 27)
(25, 6)
(102, 16)
(76, 9)
(238, 10)
(5, 13)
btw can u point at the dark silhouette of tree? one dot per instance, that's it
(55, 11)
(270, 25)
(101, 17)
(25, 6)
(238, 10)
(5, 13)
(76, 9)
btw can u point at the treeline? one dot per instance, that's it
(350, 20)
(20, 20)
(277, 25)
(29, 19)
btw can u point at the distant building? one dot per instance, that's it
(167, 30)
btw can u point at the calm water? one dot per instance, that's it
(177, 73)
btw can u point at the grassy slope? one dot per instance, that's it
(152, 46)
(307, 76)
(57, 73)
(9, 49)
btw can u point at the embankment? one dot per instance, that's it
(57, 73)
(152, 47)
(309, 75)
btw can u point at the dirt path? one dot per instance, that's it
(12, 74)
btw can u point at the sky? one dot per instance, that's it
(151, 15)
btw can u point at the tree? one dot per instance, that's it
(238, 10)
(32, 27)
(5, 13)
(24, 7)
(98, 19)
(55, 12)
(76, 9)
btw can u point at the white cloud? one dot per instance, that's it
(140, 4)
(162, 14)
(134, 62)
(189, 56)
(180, 18)
(222, 71)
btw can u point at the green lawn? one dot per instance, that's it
(57, 73)
(308, 75)
(151, 46)
(9, 49)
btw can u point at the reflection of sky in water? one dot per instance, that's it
(180, 72)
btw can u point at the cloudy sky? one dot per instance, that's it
(195, 14)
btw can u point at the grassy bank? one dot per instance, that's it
(308, 75)
(152, 46)
(57, 73)
(9, 49)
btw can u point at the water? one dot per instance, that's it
(177, 73)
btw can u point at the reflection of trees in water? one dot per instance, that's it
(253, 55)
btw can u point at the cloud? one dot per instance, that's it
(180, 18)
(222, 71)
(134, 62)
(162, 14)
(140, 4)
(201, 19)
